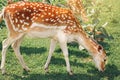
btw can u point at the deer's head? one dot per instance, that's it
(100, 58)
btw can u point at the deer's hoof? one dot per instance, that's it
(71, 72)
(46, 70)
(3, 71)
(26, 69)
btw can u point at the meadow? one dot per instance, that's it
(35, 52)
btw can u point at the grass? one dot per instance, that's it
(35, 53)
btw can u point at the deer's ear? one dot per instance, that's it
(100, 48)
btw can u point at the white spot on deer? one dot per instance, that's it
(24, 8)
(42, 16)
(16, 20)
(29, 10)
(31, 6)
(38, 5)
(49, 13)
(22, 4)
(16, 29)
(18, 13)
(18, 25)
(20, 30)
(23, 27)
(49, 7)
(27, 18)
(38, 14)
(52, 10)
(23, 15)
(69, 17)
(8, 10)
(52, 20)
(36, 18)
(36, 11)
(56, 12)
(32, 21)
(46, 19)
(26, 23)
(57, 19)
(12, 6)
(41, 6)
(52, 15)
(27, 7)
(59, 16)
(21, 21)
(63, 17)
(34, 8)
(71, 23)
(46, 9)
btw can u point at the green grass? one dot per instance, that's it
(35, 52)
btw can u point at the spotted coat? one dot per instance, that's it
(23, 14)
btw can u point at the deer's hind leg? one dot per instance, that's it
(5, 44)
(16, 48)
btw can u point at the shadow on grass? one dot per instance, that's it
(61, 61)
(33, 50)
(28, 50)
(110, 74)
(77, 53)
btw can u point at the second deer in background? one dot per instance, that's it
(78, 9)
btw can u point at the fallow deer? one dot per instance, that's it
(39, 20)
(78, 9)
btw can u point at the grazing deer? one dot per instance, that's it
(40, 20)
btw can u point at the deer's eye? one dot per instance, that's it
(105, 59)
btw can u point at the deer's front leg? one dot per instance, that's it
(52, 48)
(65, 53)
(63, 44)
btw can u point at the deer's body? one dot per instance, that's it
(40, 20)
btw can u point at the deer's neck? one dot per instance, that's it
(87, 43)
